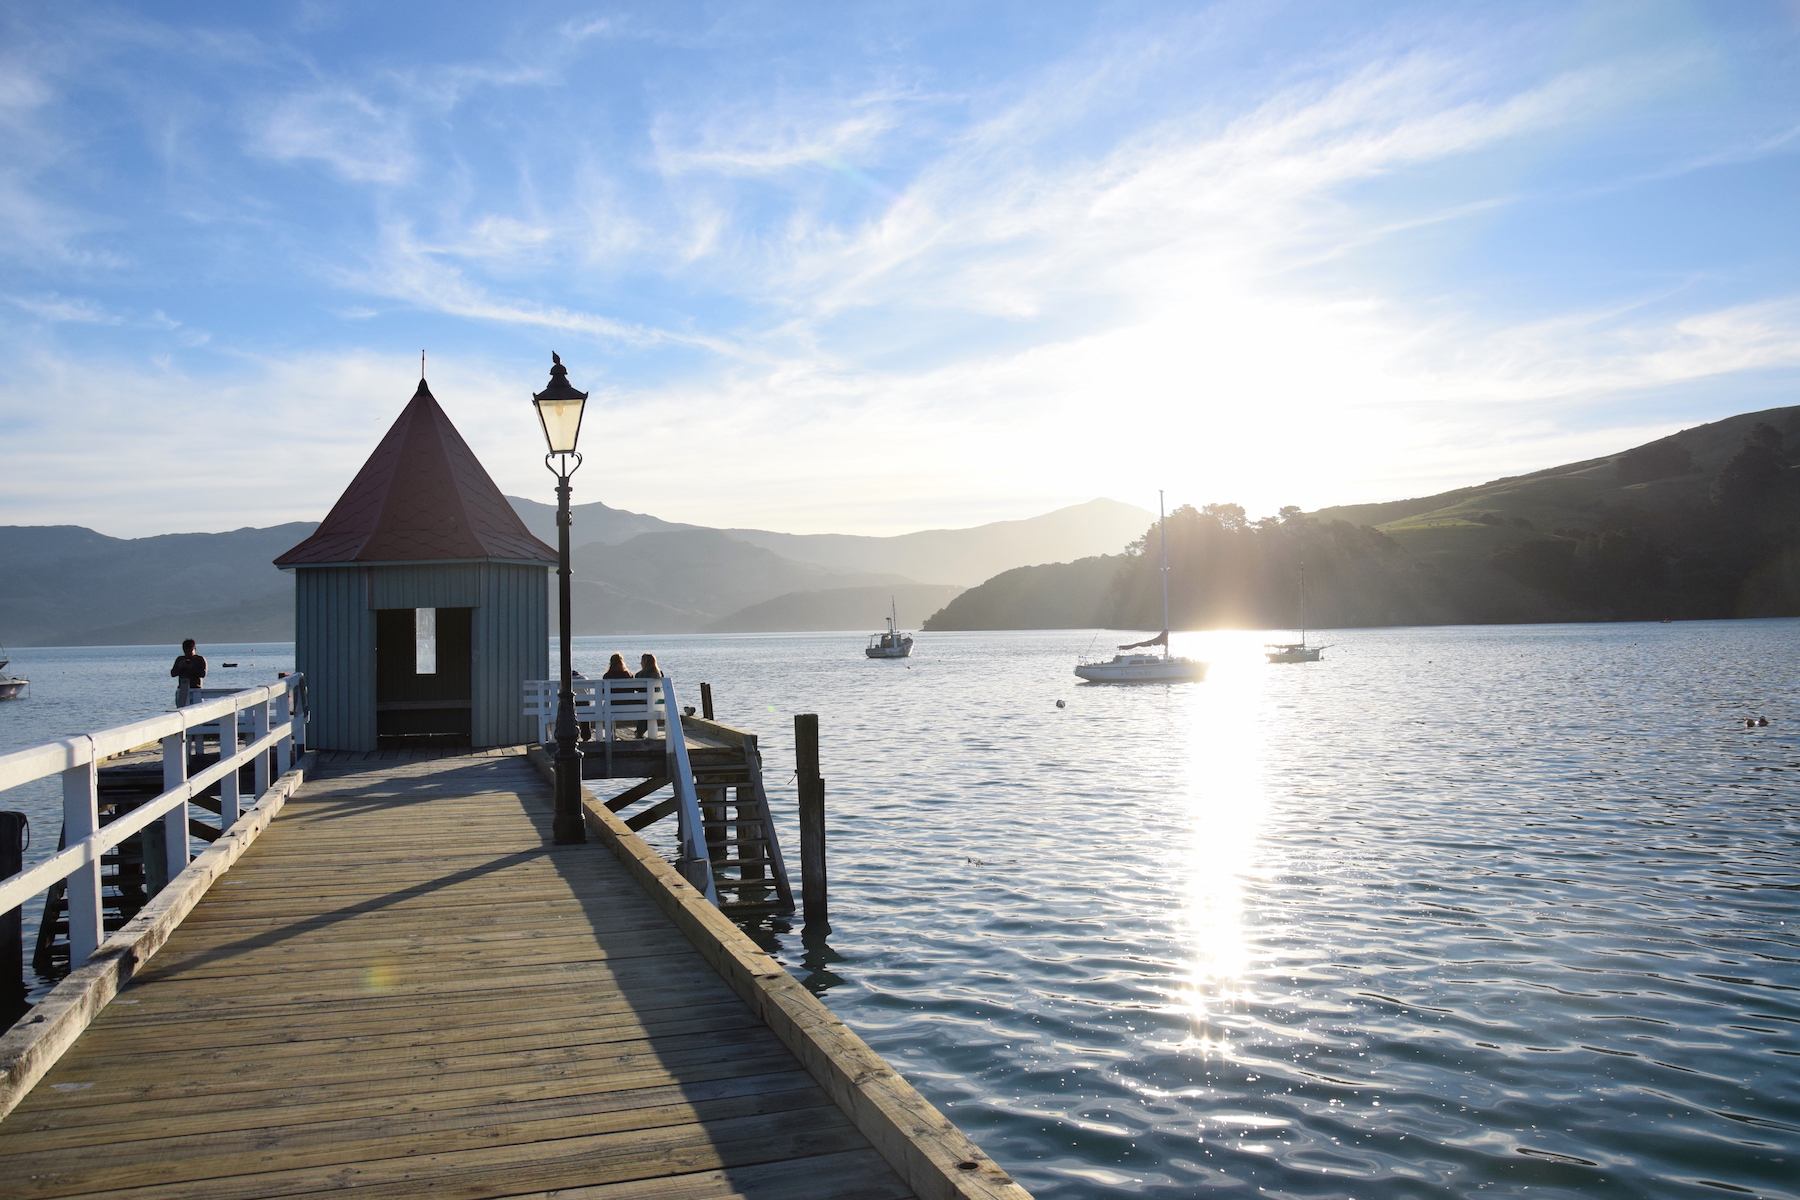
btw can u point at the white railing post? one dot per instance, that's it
(229, 798)
(259, 729)
(607, 722)
(81, 819)
(174, 822)
(695, 866)
(297, 722)
(284, 749)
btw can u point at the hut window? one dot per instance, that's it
(425, 641)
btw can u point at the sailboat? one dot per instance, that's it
(1293, 652)
(1147, 668)
(893, 643)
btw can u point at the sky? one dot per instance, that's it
(869, 268)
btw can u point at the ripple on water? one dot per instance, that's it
(1474, 911)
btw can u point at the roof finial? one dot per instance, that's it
(556, 358)
(421, 366)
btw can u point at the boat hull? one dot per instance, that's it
(1294, 656)
(12, 689)
(1170, 670)
(904, 650)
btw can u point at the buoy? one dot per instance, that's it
(1062, 704)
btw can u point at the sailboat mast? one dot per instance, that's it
(1303, 602)
(1162, 519)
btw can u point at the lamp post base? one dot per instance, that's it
(567, 828)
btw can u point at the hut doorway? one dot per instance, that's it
(422, 677)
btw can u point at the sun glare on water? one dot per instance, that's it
(1226, 740)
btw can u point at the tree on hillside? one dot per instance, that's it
(1230, 516)
(1229, 572)
(1752, 472)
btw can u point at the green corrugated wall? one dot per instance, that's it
(334, 645)
(429, 585)
(334, 641)
(512, 644)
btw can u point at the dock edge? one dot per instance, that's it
(929, 1153)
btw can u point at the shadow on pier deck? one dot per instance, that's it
(403, 988)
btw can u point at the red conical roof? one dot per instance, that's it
(422, 497)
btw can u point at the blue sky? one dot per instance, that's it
(870, 268)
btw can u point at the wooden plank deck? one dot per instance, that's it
(403, 988)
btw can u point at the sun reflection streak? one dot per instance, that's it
(1227, 739)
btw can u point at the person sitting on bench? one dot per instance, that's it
(650, 671)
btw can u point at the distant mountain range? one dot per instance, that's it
(1704, 523)
(957, 556)
(634, 573)
(66, 585)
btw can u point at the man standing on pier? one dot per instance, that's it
(189, 672)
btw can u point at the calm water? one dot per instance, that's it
(1506, 911)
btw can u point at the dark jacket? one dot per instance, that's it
(189, 668)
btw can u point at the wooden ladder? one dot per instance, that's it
(741, 841)
(742, 849)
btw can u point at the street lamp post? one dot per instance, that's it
(559, 409)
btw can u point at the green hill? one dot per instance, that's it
(1052, 596)
(1704, 523)
(1574, 495)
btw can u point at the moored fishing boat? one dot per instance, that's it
(11, 686)
(893, 643)
(1147, 668)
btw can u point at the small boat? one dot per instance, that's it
(11, 686)
(893, 643)
(1147, 668)
(1293, 652)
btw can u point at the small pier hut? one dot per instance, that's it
(421, 604)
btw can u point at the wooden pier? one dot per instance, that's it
(382, 975)
(404, 988)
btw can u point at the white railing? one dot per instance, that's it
(275, 721)
(610, 702)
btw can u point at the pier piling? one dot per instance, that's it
(812, 817)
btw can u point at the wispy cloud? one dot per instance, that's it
(56, 308)
(359, 139)
(754, 140)
(410, 270)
